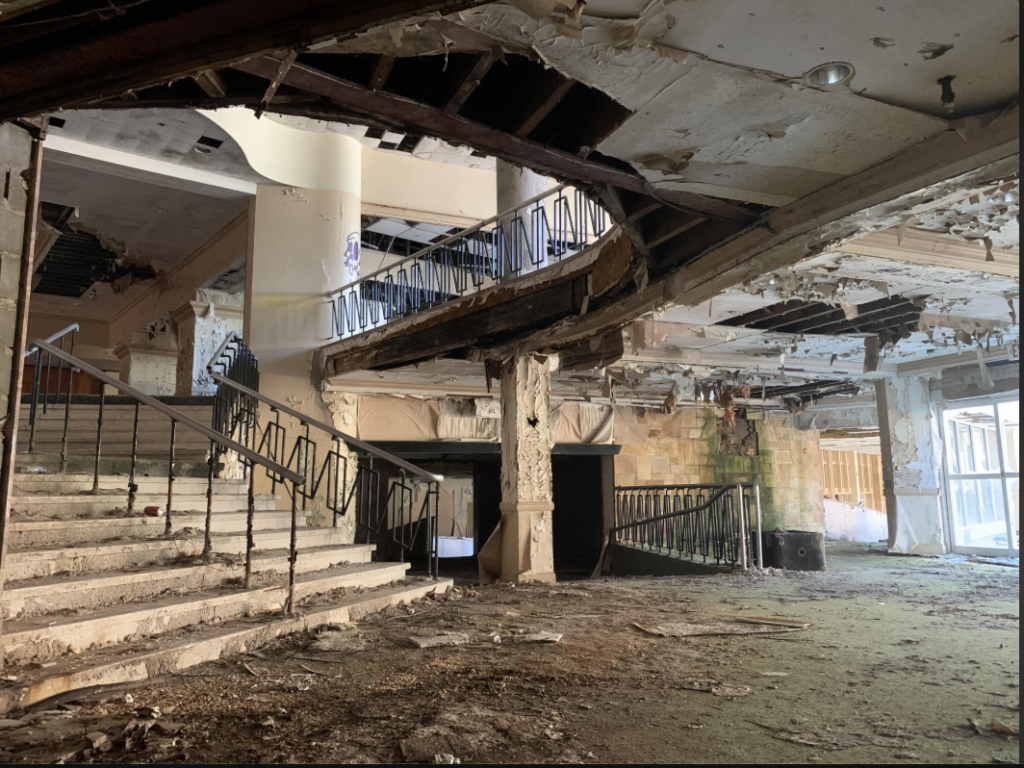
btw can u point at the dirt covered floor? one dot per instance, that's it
(906, 659)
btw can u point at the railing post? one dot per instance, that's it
(133, 487)
(170, 477)
(293, 550)
(250, 513)
(744, 536)
(34, 406)
(67, 408)
(207, 540)
(99, 445)
(760, 537)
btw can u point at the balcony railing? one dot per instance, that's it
(539, 233)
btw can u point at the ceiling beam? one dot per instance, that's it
(541, 107)
(381, 70)
(212, 83)
(453, 128)
(157, 41)
(275, 83)
(920, 179)
(916, 246)
(468, 83)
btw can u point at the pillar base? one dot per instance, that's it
(524, 540)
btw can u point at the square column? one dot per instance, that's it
(911, 466)
(527, 543)
(202, 325)
(148, 364)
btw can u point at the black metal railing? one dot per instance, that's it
(542, 231)
(218, 444)
(235, 414)
(380, 490)
(692, 521)
(41, 388)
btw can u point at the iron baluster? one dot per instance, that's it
(293, 551)
(249, 515)
(133, 487)
(34, 406)
(99, 445)
(207, 538)
(170, 478)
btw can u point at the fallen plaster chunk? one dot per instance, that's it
(440, 641)
(540, 637)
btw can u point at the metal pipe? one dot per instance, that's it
(174, 415)
(99, 444)
(67, 408)
(170, 477)
(133, 487)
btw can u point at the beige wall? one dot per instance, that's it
(683, 448)
(404, 186)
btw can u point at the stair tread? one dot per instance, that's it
(12, 628)
(183, 648)
(79, 580)
(151, 543)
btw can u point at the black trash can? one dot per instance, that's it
(794, 550)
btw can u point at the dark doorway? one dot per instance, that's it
(579, 514)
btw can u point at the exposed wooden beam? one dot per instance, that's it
(934, 173)
(157, 41)
(459, 130)
(468, 83)
(381, 70)
(212, 83)
(542, 106)
(664, 225)
(275, 83)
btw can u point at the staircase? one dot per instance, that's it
(95, 595)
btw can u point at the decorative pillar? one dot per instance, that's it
(202, 325)
(516, 185)
(527, 544)
(149, 364)
(911, 466)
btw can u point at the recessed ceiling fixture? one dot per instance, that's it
(207, 145)
(830, 75)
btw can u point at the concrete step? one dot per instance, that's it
(76, 533)
(40, 562)
(118, 664)
(58, 483)
(77, 593)
(42, 638)
(186, 466)
(71, 506)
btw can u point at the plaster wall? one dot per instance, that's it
(296, 255)
(407, 187)
(683, 448)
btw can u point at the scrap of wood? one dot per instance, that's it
(686, 629)
(773, 622)
(440, 641)
(539, 637)
(275, 83)
(249, 669)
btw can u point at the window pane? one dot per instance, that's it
(1013, 493)
(952, 445)
(975, 431)
(1009, 418)
(979, 513)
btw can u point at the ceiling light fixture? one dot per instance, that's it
(831, 75)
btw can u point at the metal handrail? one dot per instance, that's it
(32, 349)
(722, 491)
(452, 238)
(172, 413)
(305, 419)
